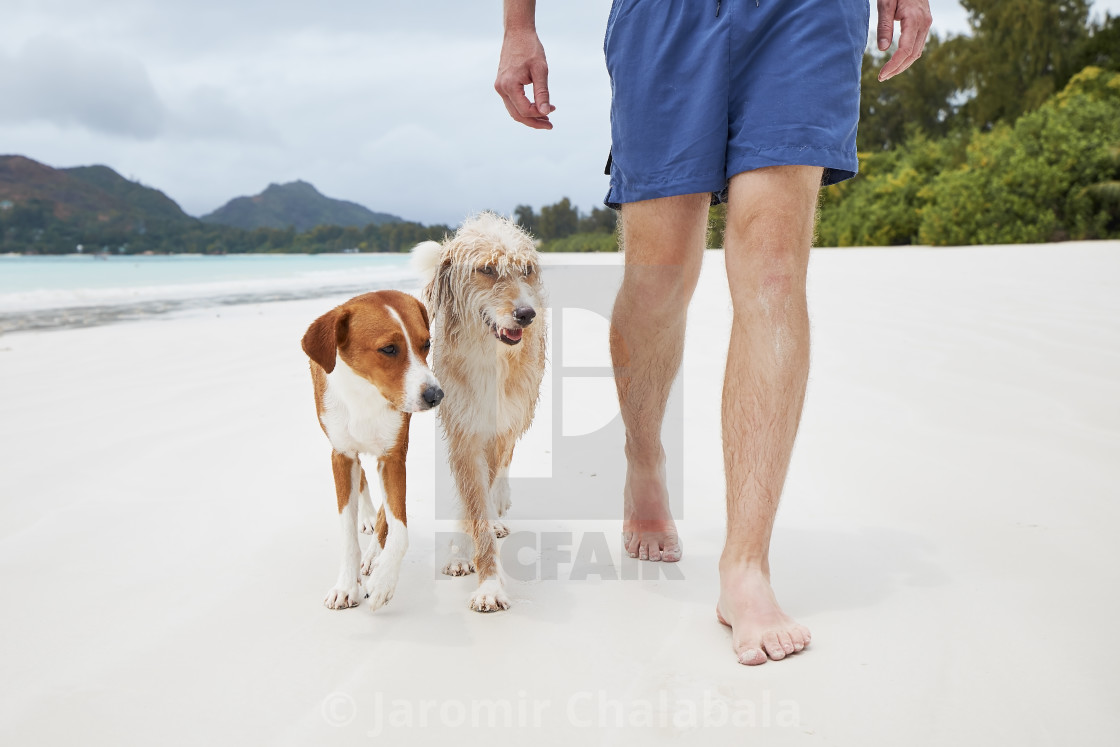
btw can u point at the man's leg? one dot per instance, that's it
(769, 232)
(664, 242)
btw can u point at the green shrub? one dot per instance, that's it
(1054, 174)
(582, 242)
(881, 206)
(1035, 181)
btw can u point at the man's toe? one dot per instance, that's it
(773, 647)
(752, 656)
(672, 552)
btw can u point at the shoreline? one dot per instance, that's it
(92, 314)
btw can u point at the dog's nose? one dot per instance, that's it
(524, 315)
(433, 395)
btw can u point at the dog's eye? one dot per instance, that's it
(529, 271)
(388, 350)
(427, 345)
(486, 270)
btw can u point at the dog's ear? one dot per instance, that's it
(440, 288)
(325, 335)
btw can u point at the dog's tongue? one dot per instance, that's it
(511, 334)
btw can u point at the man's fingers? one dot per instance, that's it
(911, 41)
(531, 120)
(522, 64)
(513, 92)
(540, 88)
(885, 31)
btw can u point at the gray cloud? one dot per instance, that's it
(387, 104)
(53, 81)
(207, 113)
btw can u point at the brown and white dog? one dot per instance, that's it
(369, 367)
(484, 295)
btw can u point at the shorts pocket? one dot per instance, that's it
(618, 7)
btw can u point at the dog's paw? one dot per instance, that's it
(458, 557)
(490, 596)
(367, 524)
(500, 529)
(340, 598)
(458, 567)
(380, 591)
(370, 558)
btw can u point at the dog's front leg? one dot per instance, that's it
(470, 468)
(371, 522)
(383, 580)
(347, 591)
(367, 517)
(498, 456)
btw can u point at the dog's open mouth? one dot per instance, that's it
(508, 336)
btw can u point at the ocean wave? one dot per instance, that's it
(324, 282)
(85, 307)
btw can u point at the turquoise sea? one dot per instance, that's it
(45, 292)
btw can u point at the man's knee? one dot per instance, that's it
(768, 253)
(770, 222)
(778, 202)
(660, 289)
(668, 230)
(663, 244)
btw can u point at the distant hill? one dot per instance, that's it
(295, 204)
(44, 210)
(87, 195)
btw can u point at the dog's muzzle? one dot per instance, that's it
(524, 315)
(432, 396)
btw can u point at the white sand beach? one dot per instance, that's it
(948, 533)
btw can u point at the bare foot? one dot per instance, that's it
(648, 530)
(759, 629)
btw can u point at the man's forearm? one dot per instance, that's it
(519, 15)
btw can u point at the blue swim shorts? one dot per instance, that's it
(706, 89)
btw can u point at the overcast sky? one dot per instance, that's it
(389, 104)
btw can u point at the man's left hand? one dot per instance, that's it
(915, 19)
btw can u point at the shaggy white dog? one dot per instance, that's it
(485, 299)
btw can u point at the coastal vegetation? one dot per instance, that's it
(1010, 133)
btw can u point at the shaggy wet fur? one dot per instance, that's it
(489, 354)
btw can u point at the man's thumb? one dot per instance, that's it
(886, 25)
(540, 90)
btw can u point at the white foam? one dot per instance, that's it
(318, 282)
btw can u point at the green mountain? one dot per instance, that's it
(296, 204)
(85, 195)
(44, 210)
